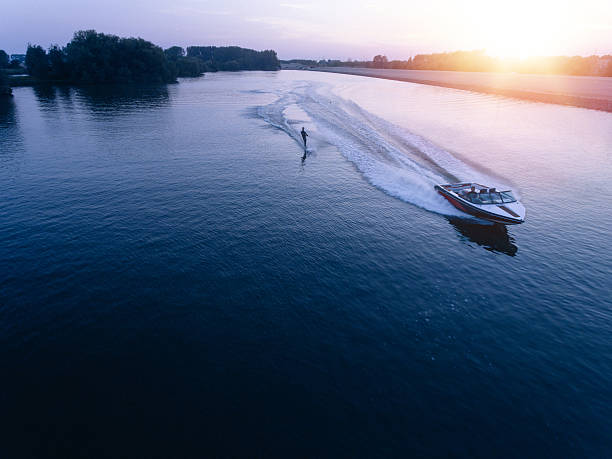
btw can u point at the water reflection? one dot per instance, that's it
(45, 95)
(65, 95)
(10, 136)
(50, 97)
(494, 237)
(110, 100)
(7, 112)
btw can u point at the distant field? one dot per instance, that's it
(579, 91)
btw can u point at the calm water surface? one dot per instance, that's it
(178, 277)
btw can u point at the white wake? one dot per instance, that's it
(396, 161)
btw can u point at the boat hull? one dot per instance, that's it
(478, 212)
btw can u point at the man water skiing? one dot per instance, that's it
(304, 135)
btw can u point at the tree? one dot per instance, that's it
(93, 57)
(234, 58)
(58, 70)
(184, 66)
(4, 59)
(174, 53)
(380, 62)
(230, 66)
(37, 62)
(190, 67)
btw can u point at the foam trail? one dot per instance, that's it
(400, 163)
(277, 114)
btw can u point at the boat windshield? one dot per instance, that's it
(507, 196)
(488, 197)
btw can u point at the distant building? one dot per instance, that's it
(18, 57)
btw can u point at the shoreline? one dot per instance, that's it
(593, 93)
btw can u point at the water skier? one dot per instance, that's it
(304, 135)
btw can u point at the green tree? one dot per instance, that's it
(379, 61)
(190, 67)
(4, 59)
(37, 62)
(234, 58)
(58, 70)
(93, 57)
(184, 66)
(174, 53)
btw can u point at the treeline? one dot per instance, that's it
(5, 64)
(232, 58)
(479, 61)
(200, 59)
(92, 58)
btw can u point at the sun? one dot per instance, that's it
(515, 47)
(523, 28)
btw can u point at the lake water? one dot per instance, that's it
(178, 277)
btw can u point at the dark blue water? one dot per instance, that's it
(178, 279)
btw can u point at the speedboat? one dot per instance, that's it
(484, 202)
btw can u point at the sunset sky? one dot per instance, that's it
(325, 28)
